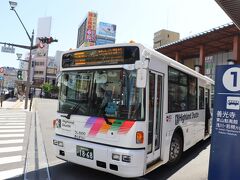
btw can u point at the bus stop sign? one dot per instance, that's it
(225, 143)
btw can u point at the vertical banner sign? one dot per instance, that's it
(225, 144)
(91, 27)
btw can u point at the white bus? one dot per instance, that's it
(126, 109)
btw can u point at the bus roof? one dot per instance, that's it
(151, 51)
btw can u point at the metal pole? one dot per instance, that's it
(30, 56)
(29, 73)
(21, 23)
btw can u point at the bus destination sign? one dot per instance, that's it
(104, 56)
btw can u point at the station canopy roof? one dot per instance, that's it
(219, 39)
(232, 9)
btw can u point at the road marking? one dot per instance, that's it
(11, 130)
(12, 123)
(11, 141)
(13, 114)
(12, 120)
(11, 135)
(11, 173)
(10, 149)
(11, 159)
(12, 127)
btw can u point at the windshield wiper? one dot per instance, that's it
(75, 109)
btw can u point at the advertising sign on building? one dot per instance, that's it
(87, 44)
(107, 29)
(225, 142)
(91, 27)
(100, 41)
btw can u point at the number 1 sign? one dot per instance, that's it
(225, 143)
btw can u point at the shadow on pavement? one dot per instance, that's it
(11, 99)
(70, 171)
(165, 172)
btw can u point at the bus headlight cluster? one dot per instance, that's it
(116, 157)
(58, 143)
(125, 158)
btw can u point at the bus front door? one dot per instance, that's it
(155, 100)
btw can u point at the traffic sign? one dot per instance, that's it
(8, 49)
(225, 142)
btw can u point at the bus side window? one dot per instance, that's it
(201, 98)
(192, 93)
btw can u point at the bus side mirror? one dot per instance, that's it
(141, 80)
(141, 67)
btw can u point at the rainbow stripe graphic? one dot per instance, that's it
(98, 125)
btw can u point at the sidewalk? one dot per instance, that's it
(13, 103)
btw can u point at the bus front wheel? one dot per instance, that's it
(176, 149)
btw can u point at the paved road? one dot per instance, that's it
(193, 166)
(13, 142)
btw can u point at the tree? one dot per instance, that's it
(50, 90)
(47, 88)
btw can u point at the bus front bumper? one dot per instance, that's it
(115, 160)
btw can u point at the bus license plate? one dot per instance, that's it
(85, 152)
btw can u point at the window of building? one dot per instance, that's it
(38, 72)
(39, 63)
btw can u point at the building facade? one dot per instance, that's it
(8, 77)
(40, 55)
(164, 37)
(51, 70)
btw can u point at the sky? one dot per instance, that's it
(136, 20)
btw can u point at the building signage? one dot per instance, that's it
(225, 144)
(8, 49)
(100, 41)
(107, 29)
(91, 27)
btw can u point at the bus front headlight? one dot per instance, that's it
(126, 158)
(116, 157)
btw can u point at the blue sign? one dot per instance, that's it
(225, 142)
(100, 41)
(107, 29)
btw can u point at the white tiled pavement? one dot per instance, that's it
(12, 139)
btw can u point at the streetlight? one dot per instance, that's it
(13, 5)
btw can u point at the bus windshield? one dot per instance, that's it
(110, 93)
